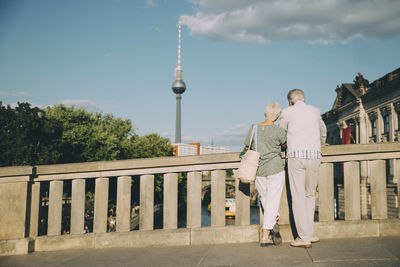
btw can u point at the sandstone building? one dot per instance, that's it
(365, 112)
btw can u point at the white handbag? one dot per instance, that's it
(249, 162)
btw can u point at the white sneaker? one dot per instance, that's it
(300, 243)
(314, 239)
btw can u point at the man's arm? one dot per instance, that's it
(283, 122)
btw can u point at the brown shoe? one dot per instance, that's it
(300, 243)
(266, 242)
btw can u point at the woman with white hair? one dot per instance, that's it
(270, 176)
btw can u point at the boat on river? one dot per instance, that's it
(230, 207)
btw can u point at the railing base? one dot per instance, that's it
(195, 236)
(16, 246)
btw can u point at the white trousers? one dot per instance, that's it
(270, 190)
(303, 180)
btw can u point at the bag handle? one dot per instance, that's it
(253, 134)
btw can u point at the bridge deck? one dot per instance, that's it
(332, 252)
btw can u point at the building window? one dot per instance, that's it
(373, 128)
(398, 121)
(386, 126)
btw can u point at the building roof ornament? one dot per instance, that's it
(361, 84)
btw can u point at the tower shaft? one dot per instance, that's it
(178, 119)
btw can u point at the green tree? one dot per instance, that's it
(60, 134)
(90, 136)
(151, 145)
(27, 136)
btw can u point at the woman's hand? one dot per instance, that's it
(244, 151)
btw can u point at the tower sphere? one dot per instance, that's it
(178, 87)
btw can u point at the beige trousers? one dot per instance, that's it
(303, 180)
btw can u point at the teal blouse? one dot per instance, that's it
(269, 141)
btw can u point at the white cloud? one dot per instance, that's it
(318, 22)
(149, 3)
(12, 94)
(82, 103)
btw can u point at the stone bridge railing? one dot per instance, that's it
(21, 197)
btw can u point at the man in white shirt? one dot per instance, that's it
(306, 132)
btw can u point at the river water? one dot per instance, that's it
(206, 218)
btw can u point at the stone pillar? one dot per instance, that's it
(218, 198)
(123, 204)
(100, 206)
(364, 139)
(352, 190)
(379, 126)
(170, 201)
(326, 193)
(357, 137)
(378, 190)
(35, 203)
(193, 218)
(13, 196)
(78, 207)
(55, 208)
(242, 203)
(392, 122)
(146, 215)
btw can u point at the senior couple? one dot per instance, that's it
(302, 130)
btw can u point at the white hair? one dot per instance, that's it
(272, 111)
(296, 95)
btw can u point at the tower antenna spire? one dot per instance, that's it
(178, 87)
(179, 44)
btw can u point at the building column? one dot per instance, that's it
(379, 126)
(341, 125)
(362, 119)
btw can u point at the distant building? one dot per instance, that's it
(364, 113)
(192, 149)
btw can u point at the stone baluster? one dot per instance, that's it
(242, 203)
(55, 208)
(218, 198)
(352, 190)
(35, 204)
(193, 219)
(100, 206)
(170, 212)
(326, 193)
(146, 211)
(123, 204)
(378, 189)
(78, 207)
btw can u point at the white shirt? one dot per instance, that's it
(306, 131)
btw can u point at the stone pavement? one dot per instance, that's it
(330, 252)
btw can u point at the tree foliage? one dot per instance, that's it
(60, 134)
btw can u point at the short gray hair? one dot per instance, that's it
(272, 111)
(296, 95)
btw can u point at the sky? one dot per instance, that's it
(119, 57)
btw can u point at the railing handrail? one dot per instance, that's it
(334, 153)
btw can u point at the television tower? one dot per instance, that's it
(178, 87)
